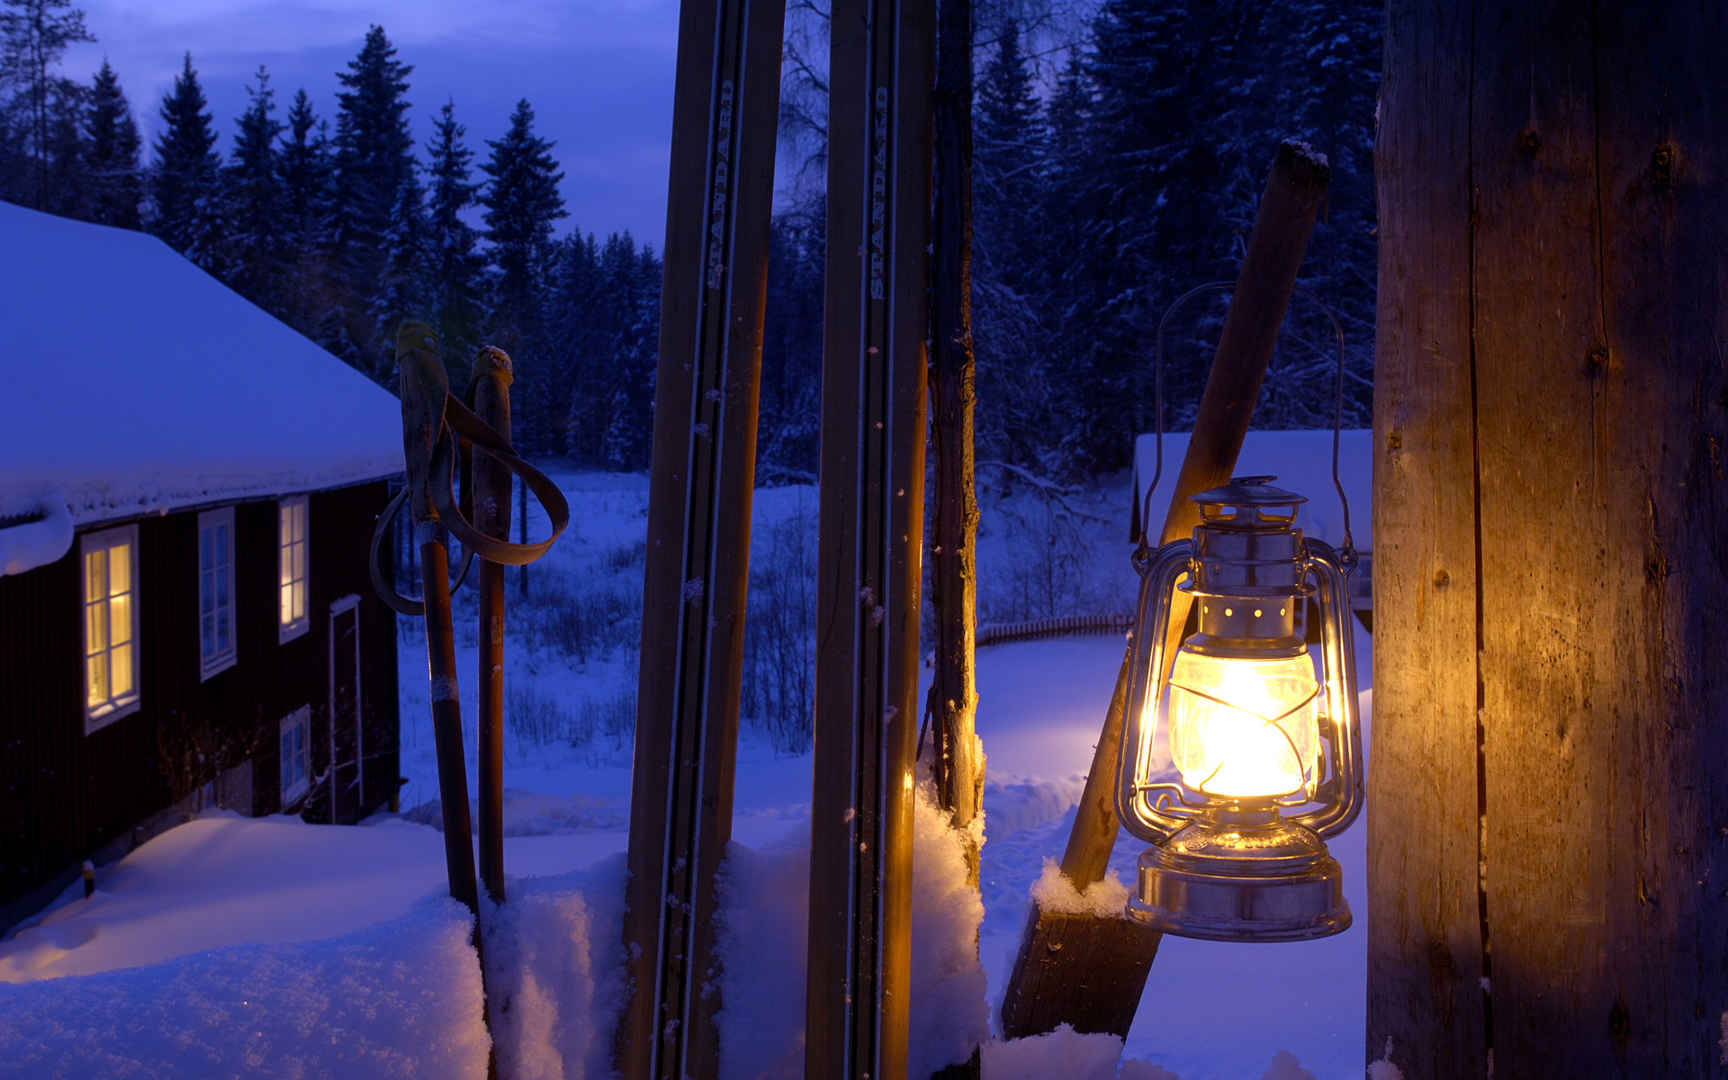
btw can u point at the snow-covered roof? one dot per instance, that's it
(136, 383)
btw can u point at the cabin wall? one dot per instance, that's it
(66, 796)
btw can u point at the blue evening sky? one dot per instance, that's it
(598, 73)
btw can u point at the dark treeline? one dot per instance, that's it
(341, 226)
(1105, 189)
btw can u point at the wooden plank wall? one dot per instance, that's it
(1551, 412)
(64, 795)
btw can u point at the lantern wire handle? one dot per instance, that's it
(1143, 524)
(1346, 553)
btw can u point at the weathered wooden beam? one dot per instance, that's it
(956, 763)
(1425, 948)
(871, 522)
(1050, 984)
(705, 410)
(491, 482)
(1555, 211)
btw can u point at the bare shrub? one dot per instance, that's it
(780, 633)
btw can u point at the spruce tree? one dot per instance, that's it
(254, 197)
(116, 185)
(187, 174)
(402, 291)
(1009, 148)
(457, 284)
(522, 201)
(33, 35)
(374, 157)
(304, 171)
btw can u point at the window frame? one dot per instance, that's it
(221, 660)
(298, 788)
(100, 715)
(285, 556)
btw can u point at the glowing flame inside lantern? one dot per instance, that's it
(1244, 728)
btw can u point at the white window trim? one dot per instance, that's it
(111, 710)
(286, 632)
(301, 717)
(220, 661)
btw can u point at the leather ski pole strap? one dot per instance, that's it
(470, 429)
(386, 590)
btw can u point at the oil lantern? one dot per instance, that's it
(1266, 752)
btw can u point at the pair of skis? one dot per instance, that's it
(871, 517)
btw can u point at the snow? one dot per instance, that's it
(229, 884)
(1054, 893)
(140, 384)
(554, 958)
(1385, 1070)
(764, 913)
(41, 533)
(398, 999)
(1063, 1052)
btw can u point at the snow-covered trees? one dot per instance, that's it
(33, 35)
(186, 174)
(522, 202)
(253, 196)
(111, 156)
(456, 272)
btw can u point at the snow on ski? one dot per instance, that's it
(871, 522)
(704, 455)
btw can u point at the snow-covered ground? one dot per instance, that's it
(226, 908)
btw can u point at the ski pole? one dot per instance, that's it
(424, 388)
(491, 494)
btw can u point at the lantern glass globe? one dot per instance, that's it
(1244, 728)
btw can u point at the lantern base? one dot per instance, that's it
(1237, 880)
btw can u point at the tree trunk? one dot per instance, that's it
(1548, 824)
(957, 763)
(957, 767)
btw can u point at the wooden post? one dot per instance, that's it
(1550, 743)
(705, 408)
(958, 771)
(956, 762)
(491, 480)
(1090, 972)
(871, 523)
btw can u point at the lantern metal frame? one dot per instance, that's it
(1227, 867)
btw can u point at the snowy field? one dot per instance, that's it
(272, 947)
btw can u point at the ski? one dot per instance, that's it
(726, 103)
(871, 523)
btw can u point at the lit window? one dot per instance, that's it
(294, 761)
(110, 625)
(292, 620)
(216, 648)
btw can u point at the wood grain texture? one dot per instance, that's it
(703, 477)
(1424, 942)
(1597, 303)
(871, 524)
